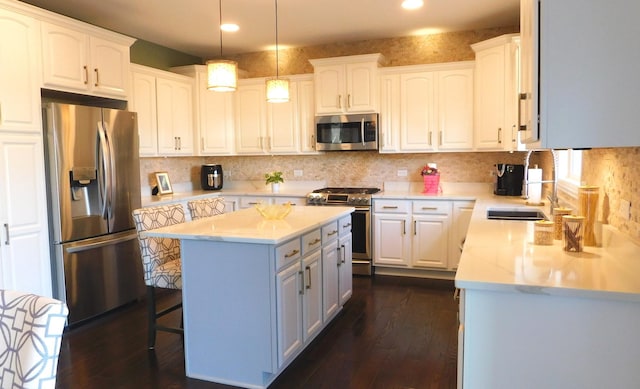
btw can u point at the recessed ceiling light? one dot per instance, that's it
(229, 27)
(412, 4)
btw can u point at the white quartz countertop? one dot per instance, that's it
(247, 226)
(499, 255)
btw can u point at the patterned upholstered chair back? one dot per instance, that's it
(31, 329)
(160, 256)
(206, 207)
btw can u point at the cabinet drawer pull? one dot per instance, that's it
(389, 207)
(346, 225)
(6, 228)
(332, 232)
(429, 208)
(291, 254)
(308, 269)
(315, 241)
(97, 77)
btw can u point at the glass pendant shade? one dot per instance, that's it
(277, 90)
(222, 75)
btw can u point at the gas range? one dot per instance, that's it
(342, 196)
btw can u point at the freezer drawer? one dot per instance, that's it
(100, 274)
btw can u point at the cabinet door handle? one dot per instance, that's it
(521, 97)
(308, 269)
(301, 291)
(440, 138)
(179, 143)
(6, 228)
(339, 101)
(349, 100)
(292, 253)
(332, 232)
(404, 227)
(430, 138)
(415, 228)
(513, 134)
(339, 249)
(344, 253)
(499, 135)
(315, 241)
(86, 75)
(97, 77)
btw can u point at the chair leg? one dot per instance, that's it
(151, 317)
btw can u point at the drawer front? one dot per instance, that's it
(330, 232)
(251, 201)
(311, 241)
(287, 253)
(344, 225)
(432, 207)
(391, 206)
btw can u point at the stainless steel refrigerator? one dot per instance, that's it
(93, 186)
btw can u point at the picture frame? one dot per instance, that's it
(163, 182)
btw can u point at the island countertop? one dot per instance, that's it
(247, 226)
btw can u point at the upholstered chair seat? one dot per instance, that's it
(31, 328)
(206, 207)
(160, 261)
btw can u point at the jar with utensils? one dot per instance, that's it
(572, 233)
(558, 213)
(588, 207)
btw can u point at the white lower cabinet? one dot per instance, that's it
(24, 247)
(312, 284)
(345, 277)
(461, 217)
(417, 233)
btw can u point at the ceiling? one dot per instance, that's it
(191, 26)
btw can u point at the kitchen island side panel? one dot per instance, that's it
(229, 312)
(535, 340)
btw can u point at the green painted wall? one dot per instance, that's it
(160, 57)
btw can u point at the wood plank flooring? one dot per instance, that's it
(395, 332)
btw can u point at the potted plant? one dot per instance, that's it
(274, 178)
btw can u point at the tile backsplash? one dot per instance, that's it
(344, 168)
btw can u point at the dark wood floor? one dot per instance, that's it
(395, 332)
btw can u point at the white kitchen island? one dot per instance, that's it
(538, 317)
(256, 292)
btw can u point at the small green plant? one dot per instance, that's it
(273, 178)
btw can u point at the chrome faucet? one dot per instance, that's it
(553, 198)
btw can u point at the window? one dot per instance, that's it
(569, 171)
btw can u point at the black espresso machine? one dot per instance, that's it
(211, 177)
(509, 179)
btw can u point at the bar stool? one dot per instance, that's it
(206, 207)
(160, 262)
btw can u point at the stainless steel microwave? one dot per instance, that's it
(347, 132)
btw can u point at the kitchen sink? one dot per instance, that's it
(515, 213)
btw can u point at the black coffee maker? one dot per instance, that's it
(211, 177)
(509, 179)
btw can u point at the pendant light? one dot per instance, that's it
(277, 88)
(222, 75)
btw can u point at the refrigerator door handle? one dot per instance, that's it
(106, 162)
(102, 168)
(91, 246)
(111, 174)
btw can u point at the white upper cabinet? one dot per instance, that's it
(427, 108)
(496, 92)
(19, 73)
(588, 53)
(163, 101)
(77, 61)
(274, 128)
(346, 84)
(214, 114)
